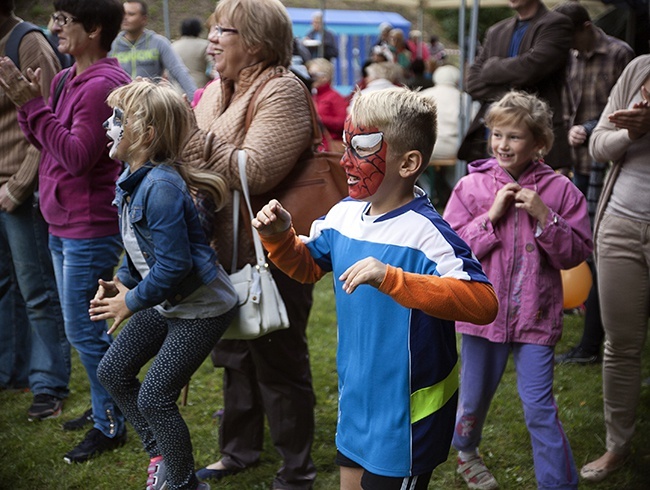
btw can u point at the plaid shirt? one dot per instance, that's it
(590, 78)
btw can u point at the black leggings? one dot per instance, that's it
(180, 346)
(373, 481)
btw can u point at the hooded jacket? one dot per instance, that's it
(76, 175)
(521, 259)
(149, 57)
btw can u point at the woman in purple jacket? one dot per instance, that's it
(524, 222)
(77, 185)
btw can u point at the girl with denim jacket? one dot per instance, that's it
(178, 296)
(524, 222)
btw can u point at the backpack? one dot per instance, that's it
(16, 36)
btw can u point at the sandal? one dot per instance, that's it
(476, 474)
(595, 475)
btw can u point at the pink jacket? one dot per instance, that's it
(521, 260)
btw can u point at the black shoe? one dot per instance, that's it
(44, 407)
(577, 355)
(208, 474)
(80, 422)
(93, 445)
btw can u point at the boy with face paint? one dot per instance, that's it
(401, 277)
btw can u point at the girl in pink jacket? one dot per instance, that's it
(524, 222)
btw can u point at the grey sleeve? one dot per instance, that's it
(176, 68)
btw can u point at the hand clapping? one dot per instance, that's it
(20, 89)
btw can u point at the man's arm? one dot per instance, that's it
(476, 86)
(548, 54)
(34, 52)
(176, 68)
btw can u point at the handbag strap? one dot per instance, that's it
(259, 251)
(317, 136)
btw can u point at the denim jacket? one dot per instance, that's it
(170, 237)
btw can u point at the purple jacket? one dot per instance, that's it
(76, 176)
(522, 263)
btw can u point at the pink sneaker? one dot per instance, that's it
(476, 474)
(157, 474)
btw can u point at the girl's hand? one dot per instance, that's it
(366, 271)
(530, 201)
(504, 198)
(18, 87)
(111, 307)
(272, 219)
(107, 289)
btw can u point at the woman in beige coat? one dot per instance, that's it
(252, 43)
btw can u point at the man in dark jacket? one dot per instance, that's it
(526, 52)
(321, 42)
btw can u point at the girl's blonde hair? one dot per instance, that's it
(517, 108)
(160, 121)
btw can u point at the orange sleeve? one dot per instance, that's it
(443, 297)
(292, 256)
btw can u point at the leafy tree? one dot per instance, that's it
(449, 20)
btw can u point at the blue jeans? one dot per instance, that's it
(483, 364)
(78, 264)
(30, 313)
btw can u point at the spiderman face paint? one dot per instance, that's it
(364, 160)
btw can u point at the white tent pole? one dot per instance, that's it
(421, 28)
(321, 48)
(471, 55)
(166, 19)
(464, 99)
(473, 33)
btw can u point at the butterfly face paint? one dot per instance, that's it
(115, 130)
(364, 160)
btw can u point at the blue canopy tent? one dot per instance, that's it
(356, 32)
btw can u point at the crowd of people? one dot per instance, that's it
(96, 233)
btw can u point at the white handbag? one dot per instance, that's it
(261, 309)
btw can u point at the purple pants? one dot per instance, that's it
(482, 366)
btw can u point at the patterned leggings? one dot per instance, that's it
(179, 346)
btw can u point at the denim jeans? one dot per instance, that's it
(30, 313)
(78, 264)
(483, 364)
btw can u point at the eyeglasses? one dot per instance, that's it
(220, 31)
(63, 20)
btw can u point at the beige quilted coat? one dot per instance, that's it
(280, 131)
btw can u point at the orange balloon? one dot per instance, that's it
(576, 284)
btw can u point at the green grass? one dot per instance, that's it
(31, 453)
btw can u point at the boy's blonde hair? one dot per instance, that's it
(158, 112)
(407, 119)
(516, 108)
(261, 23)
